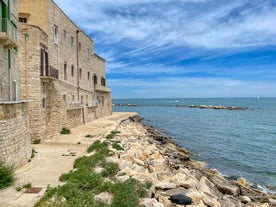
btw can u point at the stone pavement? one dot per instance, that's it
(49, 163)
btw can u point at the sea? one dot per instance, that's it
(237, 143)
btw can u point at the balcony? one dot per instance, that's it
(8, 34)
(48, 73)
(102, 88)
(74, 105)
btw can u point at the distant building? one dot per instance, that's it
(15, 143)
(60, 72)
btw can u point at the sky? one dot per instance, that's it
(182, 48)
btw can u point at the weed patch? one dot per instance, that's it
(37, 141)
(65, 130)
(6, 175)
(83, 183)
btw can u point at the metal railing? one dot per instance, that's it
(49, 72)
(6, 26)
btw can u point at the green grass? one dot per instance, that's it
(83, 183)
(6, 175)
(65, 130)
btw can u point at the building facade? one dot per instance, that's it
(15, 143)
(60, 72)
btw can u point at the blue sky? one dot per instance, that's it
(182, 48)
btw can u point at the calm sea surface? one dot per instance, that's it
(236, 143)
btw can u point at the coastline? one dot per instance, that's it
(147, 156)
(177, 172)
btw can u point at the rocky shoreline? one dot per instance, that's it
(149, 156)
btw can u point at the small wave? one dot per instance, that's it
(266, 189)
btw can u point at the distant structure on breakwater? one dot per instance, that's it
(219, 107)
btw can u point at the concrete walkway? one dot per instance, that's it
(49, 161)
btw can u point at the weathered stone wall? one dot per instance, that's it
(32, 38)
(71, 100)
(15, 142)
(36, 12)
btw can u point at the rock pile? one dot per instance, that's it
(150, 157)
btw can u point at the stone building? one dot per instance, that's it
(15, 143)
(60, 72)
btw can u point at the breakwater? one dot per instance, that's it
(218, 107)
(149, 156)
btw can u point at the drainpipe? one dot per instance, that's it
(26, 66)
(10, 75)
(78, 72)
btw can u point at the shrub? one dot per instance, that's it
(127, 193)
(98, 146)
(116, 146)
(64, 177)
(110, 169)
(27, 185)
(65, 130)
(88, 136)
(112, 134)
(37, 141)
(6, 175)
(148, 184)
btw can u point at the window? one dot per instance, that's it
(73, 98)
(64, 97)
(43, 62)
(72, 42)
(95, 79)
(80, 72)
(65, 71)
(56, 34)
(103, 81)
(81, 99)
(23, 19)
(64, 36)
(72, 70)
(102, 100)
(88, 75)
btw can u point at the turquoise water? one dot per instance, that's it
(236, 143)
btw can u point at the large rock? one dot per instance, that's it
(227, 188)
(181, 199)
(206, 186)
(175, 191)
(178, 179)
(165, 186)
(190, 183)
(104, 198)
(151, 202)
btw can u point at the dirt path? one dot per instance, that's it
(49, 162)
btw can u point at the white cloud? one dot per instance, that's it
(190, 87)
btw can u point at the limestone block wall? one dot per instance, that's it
(36, 12)
(15, 142)
(62, 52)
(32, 38)
(105, 105)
